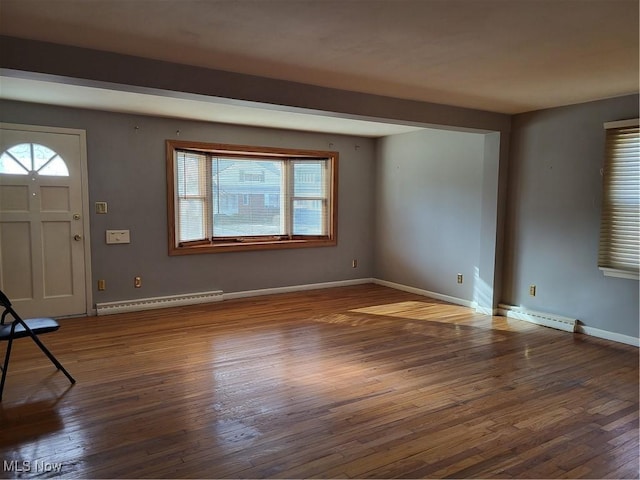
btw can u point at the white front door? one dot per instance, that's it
(43, 230)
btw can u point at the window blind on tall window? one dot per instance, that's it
(310, 197)
(619, 253)
(193, 184)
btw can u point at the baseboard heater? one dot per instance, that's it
(158, 302)
(546, 319)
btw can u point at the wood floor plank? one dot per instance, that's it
(362, 381)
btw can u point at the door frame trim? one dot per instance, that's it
(84, 187)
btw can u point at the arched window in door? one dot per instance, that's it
(32, 158)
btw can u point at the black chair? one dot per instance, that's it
(20, 328)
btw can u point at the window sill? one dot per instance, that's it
(221, 247)
(612, 272)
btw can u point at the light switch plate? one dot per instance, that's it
(101, 207)
(118, 236)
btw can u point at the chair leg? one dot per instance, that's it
(5, 367)
(53, 359)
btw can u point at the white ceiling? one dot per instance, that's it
(162, 104)
(507, 56)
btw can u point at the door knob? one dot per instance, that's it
(77, 237)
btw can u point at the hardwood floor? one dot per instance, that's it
(350, 382)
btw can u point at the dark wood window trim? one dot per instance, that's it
(218, 244)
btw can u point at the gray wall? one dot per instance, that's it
(429, 188)
(127, 169)
(553, 185)
(46, 61)
(553, 217)
(424, 203)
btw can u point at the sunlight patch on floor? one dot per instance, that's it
(443, 313)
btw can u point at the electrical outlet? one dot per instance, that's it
(460, 278)
(532, 290)
(137, 282)
(102, 285)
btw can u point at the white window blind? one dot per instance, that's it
(193, 184)
(310, 197)
(619, 253)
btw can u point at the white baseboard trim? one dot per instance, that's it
(539, 318)
(606, 335)
(520, 313)
(564, 323)
(110, 308)
(425, 293)
(295, 288)
(438, 296)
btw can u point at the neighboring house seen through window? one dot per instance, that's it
(229, 197)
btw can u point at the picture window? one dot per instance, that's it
(232, 197)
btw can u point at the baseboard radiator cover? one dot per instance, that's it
(540, 318)
(213, 296)
(110, 308)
